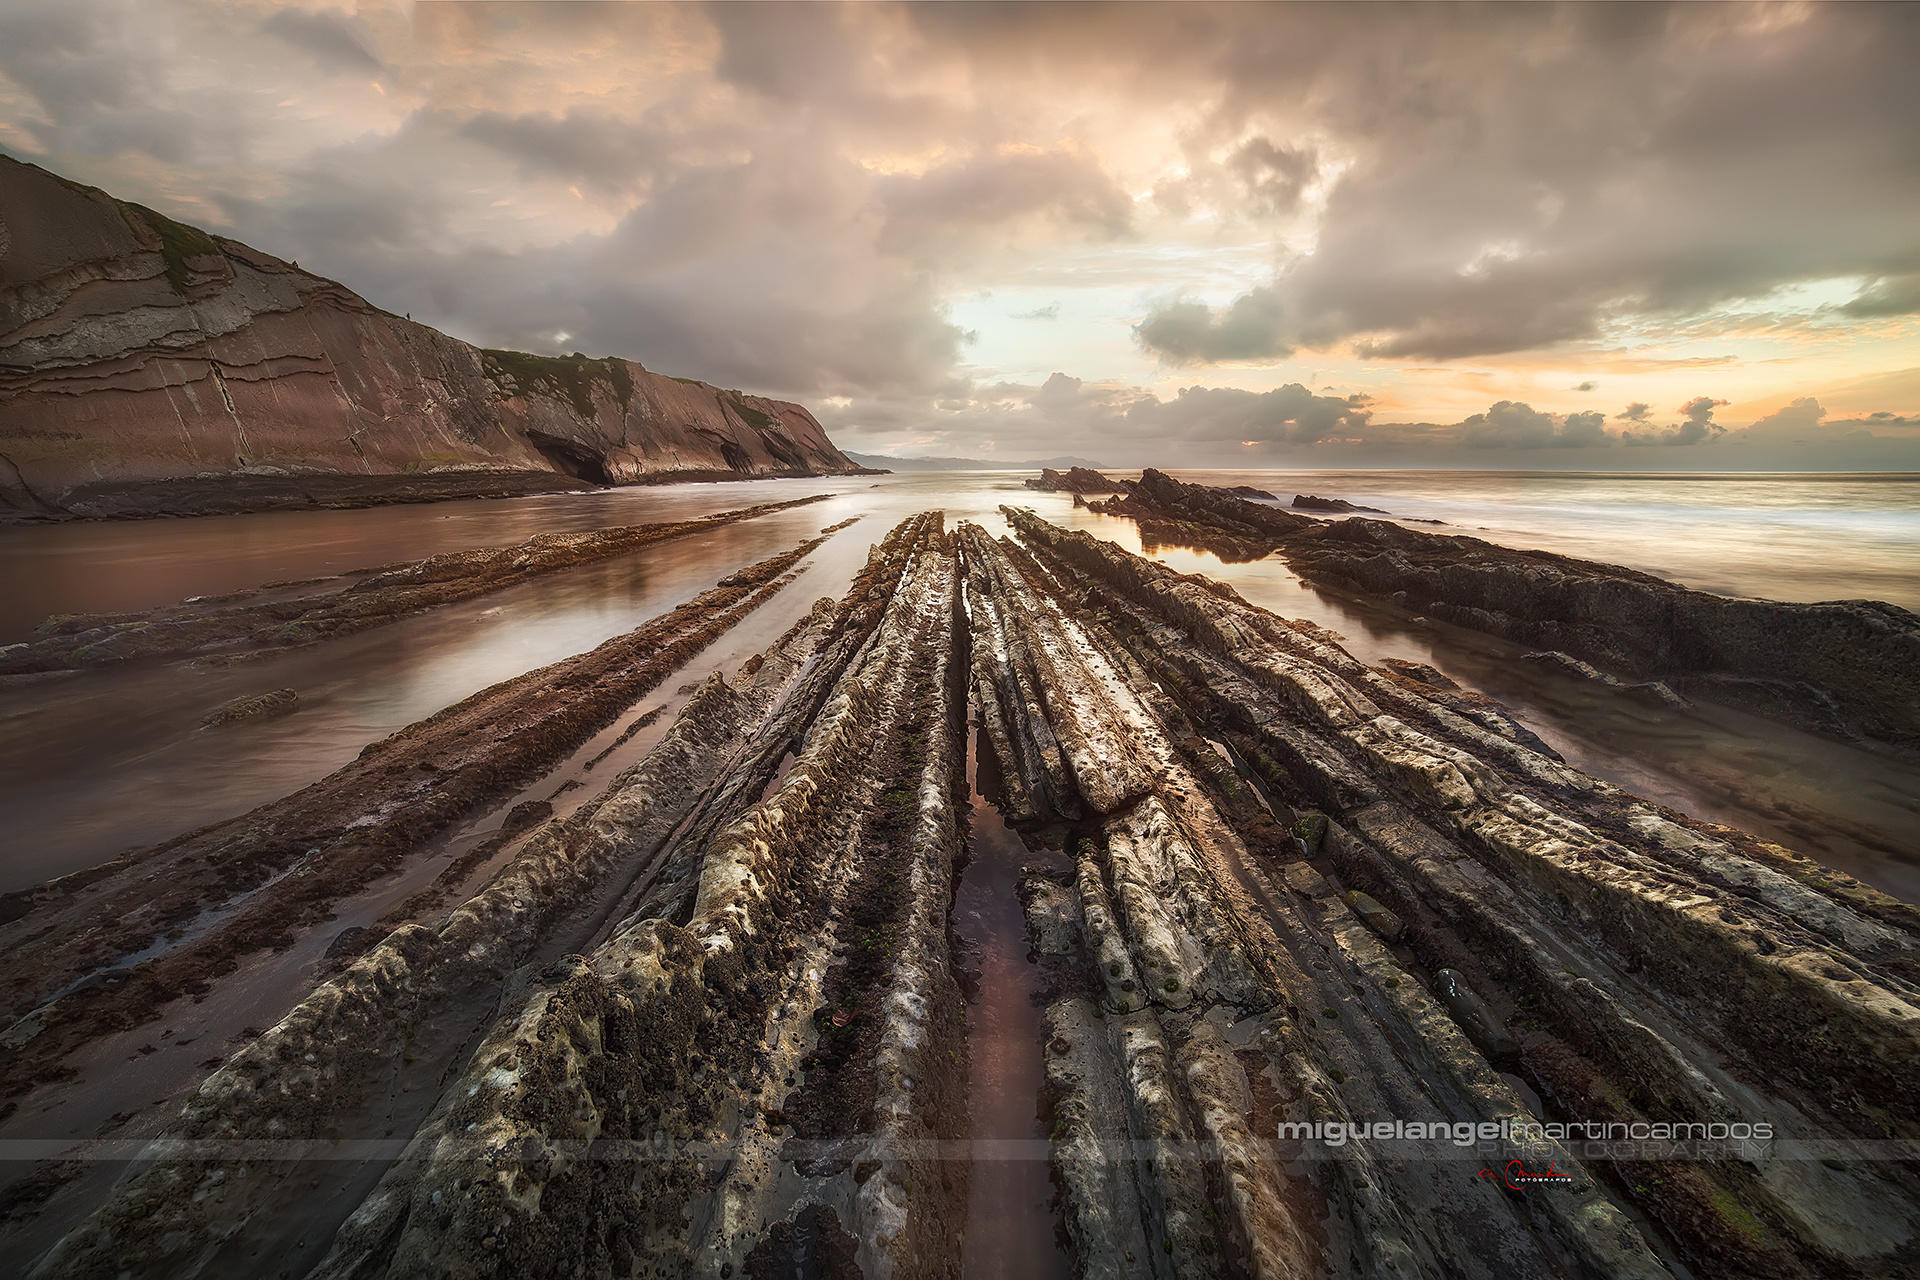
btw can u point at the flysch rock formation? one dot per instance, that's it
(1848, 668)
(711, 1024)
(1648, 966)
(147, 366)
(114, 946)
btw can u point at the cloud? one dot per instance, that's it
(1666, 364)
(1585, 386)
(1638, 411)
(1805, 422)
(1796, 422)
(1538, 177)
(1058, 389)
(1696, 426)
(1886, 418)
(1511, 425)
(580, 146)
(1118, 422)
(1199, 416)
(994, 192)
(802, 199)
(1887, 296)
(1289, 414)
(1187, 332)
(326, 37)
(1273, 177)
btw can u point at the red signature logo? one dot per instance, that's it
(1517, 1178)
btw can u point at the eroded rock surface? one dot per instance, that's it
(710, 1024)
(207, 899)
(1075, 480)
(1314, 502)
(1848, 668)
(1393, 896)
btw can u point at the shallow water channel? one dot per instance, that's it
(1012, 1229)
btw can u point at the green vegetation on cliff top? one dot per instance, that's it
(178, 242)
(759, 419)
(568, 378)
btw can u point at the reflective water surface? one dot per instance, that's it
(1783, 537)
(95, 764)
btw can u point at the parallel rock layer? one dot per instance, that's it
(729, 1038)
(1849, 668)
(288, 615)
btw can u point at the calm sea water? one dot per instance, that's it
(1783, 537)
(95, 764)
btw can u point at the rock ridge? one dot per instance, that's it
(1845, 668)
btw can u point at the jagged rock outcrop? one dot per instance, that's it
(1314, 502)
(678, 832)
(137, 353)
(1847, 668)
(1076, 480)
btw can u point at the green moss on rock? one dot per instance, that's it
(759, 419)
(570, 378)
(178, 242)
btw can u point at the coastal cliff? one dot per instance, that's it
(139, 355)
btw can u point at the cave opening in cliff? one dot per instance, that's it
(571, 458)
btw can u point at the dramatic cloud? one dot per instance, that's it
(1195, 333)
(1510, 425)
(875, 207)
(1540, 175)
(1696, 425)
(1274, 177)
(1889, 296)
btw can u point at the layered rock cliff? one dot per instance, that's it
(136, 351)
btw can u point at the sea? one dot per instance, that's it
(95, 764)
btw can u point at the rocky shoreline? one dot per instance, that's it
(1848, 669)
(1075, 480)
(228, 494)
(250, 494)
(286, 615)
(714, 1020)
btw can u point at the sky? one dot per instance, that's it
(1607, 237)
